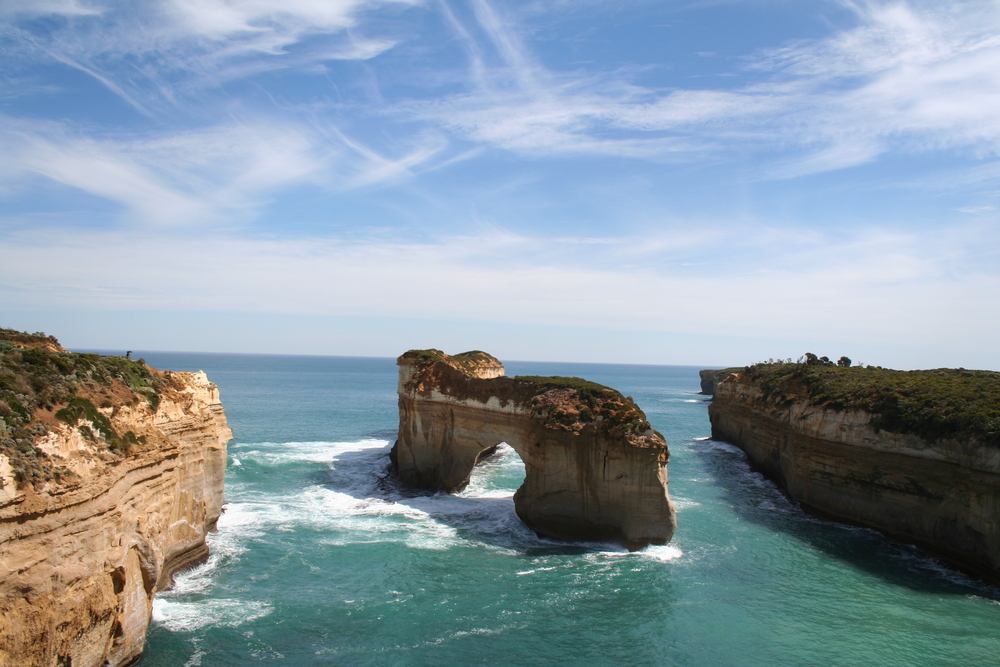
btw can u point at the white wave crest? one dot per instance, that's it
(179, 616)
(662, 553)
(681, 503)
(349, 501)
(274, 453)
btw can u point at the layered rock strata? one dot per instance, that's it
(594, 468)
(940, 493)
(82, 554)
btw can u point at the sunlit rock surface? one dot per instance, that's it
(941, 494)
(594, 468)
(82, 556)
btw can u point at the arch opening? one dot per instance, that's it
(499, 471)
(584, 479)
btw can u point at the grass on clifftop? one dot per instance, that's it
(944, 403)
(27, 339)
(33, 379)
(546, 382)
(593, 402)
(586, 403)
(464, 361)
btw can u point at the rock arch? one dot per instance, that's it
(594, 468)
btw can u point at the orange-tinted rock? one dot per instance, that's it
(81, 558)
(594, 469)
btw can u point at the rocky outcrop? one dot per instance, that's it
(710, 378)
(83, 552)
(707, 377)
(594, 468)
(941, 493)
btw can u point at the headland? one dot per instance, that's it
(111, 475)
(914, 454)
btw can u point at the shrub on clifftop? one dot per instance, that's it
(582, 402)
(40, 383)
(944, 403)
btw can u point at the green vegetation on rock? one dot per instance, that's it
(472, 359)
(25, 338)
(585, 402)
(593, 403)
(582, 387)
(425, 356)
(939, 404)
(33, 379)
(464, 361)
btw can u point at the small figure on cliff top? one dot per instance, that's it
(128, 355)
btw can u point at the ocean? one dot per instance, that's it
(322, 559)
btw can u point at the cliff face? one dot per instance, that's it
(942, 494)
(83, 553)
(710, 378)
(594, 469)
(708, 381)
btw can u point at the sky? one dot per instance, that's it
(703, 182)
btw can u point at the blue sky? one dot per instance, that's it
(703, 182)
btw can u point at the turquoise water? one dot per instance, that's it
(320, 559)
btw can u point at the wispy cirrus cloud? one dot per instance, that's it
(909, 77)
(222, 153)
(218, 174)
(202, 157)
(158, 54)
(48, 8)
(172, 179)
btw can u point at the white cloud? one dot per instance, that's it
(48, 7)
(155, 55)
(909, 77)
(838, 156)
(218, 19)
(210, 175)
(893, 287)
(179, 179)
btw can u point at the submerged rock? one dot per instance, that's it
(594, 468)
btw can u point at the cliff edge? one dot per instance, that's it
(112, 474)
(594, 468)
(710, 378)
(914, 454)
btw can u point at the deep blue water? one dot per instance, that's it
(320, 559)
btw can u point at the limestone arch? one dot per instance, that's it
(583, 481)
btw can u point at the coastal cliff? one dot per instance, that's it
(112, 475)
(914, 454)
(594, 468)
(710, 378)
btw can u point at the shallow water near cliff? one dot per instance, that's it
(321, 559)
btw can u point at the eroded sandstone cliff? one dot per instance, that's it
(594, 468)
(109, 485)
(878, 448)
